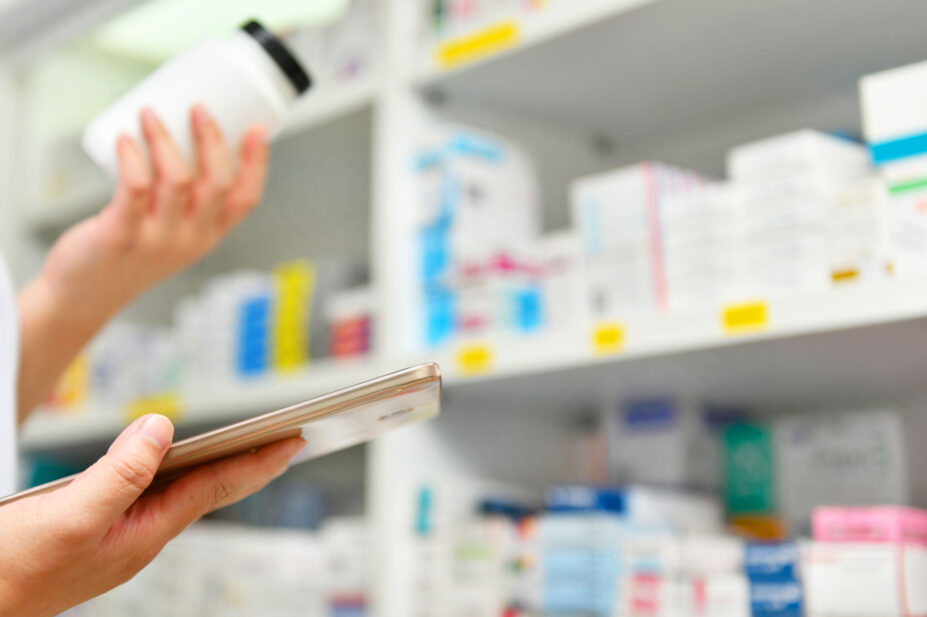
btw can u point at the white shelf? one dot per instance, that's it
(673, 69)
(866, 341)
(562, 18)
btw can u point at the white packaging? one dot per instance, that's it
(894, 102)
(676, 429)
(704, 555)
(907, 216)
(703, 238)
(718, 595)
(680, 511)
(243, 79)
(564, 281)
(644, 594)
(619, 215)
(845, 459)
(802, 152)
(865, 580)
(653, 551)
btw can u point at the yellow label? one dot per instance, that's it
(483, 43)
(165, 404)
(844, 276)
(608, 338)
(475, 359)
(743, 318)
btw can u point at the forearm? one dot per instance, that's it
(51, 336)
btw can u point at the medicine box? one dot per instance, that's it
(584, 510)
(808, 153)
(865, 580)
(880, 524)
(894, 103)
(783, 598)
(619, 215)
(841, 459)
(772, 561)
(675, 428)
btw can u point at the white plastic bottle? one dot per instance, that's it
(246, 78)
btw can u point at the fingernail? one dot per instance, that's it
(298, 444)
(158, 430)
(260, 134)
(147, 114)
(200, 113)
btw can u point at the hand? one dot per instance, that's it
(162, 218)
(63, 548)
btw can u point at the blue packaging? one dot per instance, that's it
(776, 598)
(772, 561)
(580, 563)
(253, 336)
(577, 597)
(579, 498)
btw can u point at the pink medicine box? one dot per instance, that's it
(879, 524)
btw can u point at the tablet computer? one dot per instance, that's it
(328, 423)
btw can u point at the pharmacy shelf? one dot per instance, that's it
(867, 342)
(462, 52)
(205, 407)
(671, 68)
(328, 103)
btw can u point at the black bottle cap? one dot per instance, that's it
(282, 56)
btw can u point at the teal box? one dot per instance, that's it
(749, 469)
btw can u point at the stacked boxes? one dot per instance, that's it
(703, 243)
(800, 232)
(219, 339)
(350, 322)
(773, 571)
(620, 216)
(613, 551)
(294, 284)
(868, 562)
(847, 459)
(894, 106)
(783, 469)
(478, 204)
(685, 436)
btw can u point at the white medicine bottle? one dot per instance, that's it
(246, 78)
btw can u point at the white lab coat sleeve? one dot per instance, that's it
(9, 356)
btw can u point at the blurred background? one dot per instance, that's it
(670, 254)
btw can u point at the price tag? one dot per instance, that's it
(485, 42)
(165, 404)
(745, 318)
(475, 359)
(608, 338)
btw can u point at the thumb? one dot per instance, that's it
(106, 489)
